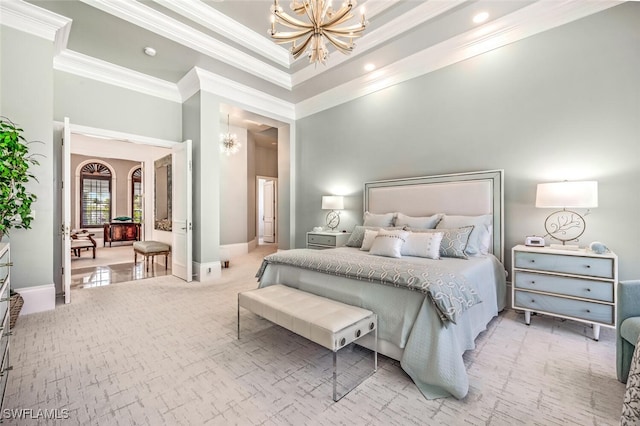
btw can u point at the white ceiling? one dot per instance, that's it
(228, 39)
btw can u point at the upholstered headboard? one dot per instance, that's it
(469, 194)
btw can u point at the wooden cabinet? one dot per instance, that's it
(578, 285)
(121, 232)
(325, 240)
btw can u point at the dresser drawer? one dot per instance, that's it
(577, 265)
(325, 240)
(4, 375)
(4, 267)
(588, 311)
(4, 339)
(596, 290)
(4, 300)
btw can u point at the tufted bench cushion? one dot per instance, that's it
(324, 321)
(150, 249)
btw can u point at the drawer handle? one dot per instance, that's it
(588, 289)
(533, 301)
(588, 311)
(587, 266)
(533, 261)
(533, 282)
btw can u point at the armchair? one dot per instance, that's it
(82, 240)
(627, 326)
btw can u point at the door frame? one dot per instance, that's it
(275, 197)
(99, 133)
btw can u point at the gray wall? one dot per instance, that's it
(26, 97)
(96, 104)
(564, 104)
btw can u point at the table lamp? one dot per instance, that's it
(333, 203)
(566, 225)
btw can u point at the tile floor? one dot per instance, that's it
(112, 265)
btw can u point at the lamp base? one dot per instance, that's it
(573, 247)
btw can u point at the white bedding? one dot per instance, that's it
(409, 327)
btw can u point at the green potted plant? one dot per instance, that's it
(15, 200)
(15, 162)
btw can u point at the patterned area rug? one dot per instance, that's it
(162, 351)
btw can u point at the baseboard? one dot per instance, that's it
(205, 272)
(38, 299)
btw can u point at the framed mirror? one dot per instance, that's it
(162, 192)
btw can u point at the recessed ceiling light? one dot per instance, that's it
(369, 67)
(481, 17)
(149, 51)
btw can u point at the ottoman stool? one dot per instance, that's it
(151, 249)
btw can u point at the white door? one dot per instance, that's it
(181, 196)
(269, 208)
(66, 210)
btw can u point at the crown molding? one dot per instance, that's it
(418, 15)
(152, 20)
(210, 18)
(246, 97)
(106, 72)
(531, 20)
(36, 21)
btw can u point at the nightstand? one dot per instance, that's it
(326, 240)
(573, 284)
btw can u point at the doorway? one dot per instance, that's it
(267, 202)
(115, 263)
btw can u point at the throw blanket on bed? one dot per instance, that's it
(449, 292)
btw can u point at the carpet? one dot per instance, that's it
(162, 351)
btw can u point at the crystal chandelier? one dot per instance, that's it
(323, 24)
(229, 141)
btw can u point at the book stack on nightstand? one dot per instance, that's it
(325, 240)
(574, 284)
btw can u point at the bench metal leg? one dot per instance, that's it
(238, 316)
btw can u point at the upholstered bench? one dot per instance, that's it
(151, 249)
(326, 322)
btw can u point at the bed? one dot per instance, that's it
(430, 310)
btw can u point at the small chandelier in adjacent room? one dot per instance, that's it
(323, 24)
(229, 141)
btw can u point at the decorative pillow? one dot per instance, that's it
(480, 229)
(371, 219)
(423, 245)
(485, 241)
(357, 235)
(427, 222)
(389, 243)
(454, 241)
(369, 236)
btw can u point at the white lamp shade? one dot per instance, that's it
(567, 194)
(332, 202)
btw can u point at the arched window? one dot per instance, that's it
(136, 195)
(95, 195)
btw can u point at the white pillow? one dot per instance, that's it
(372, 219)
(389, 243)
(485, 241)
(480, 229)
(369, 237)
(425, 222)
(423, 245)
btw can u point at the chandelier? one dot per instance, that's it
(323, 24)
(229, 141)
